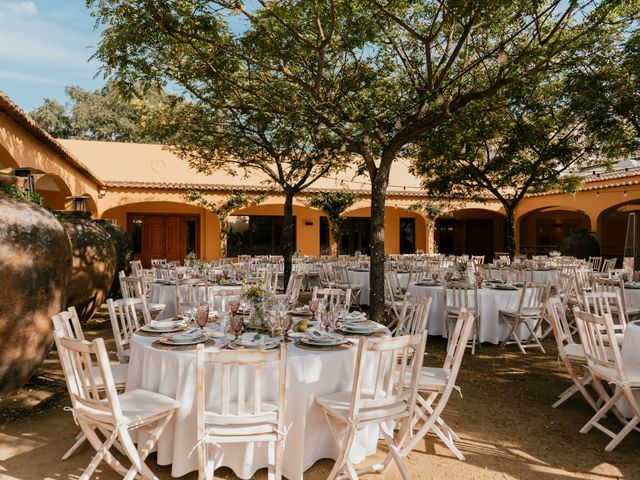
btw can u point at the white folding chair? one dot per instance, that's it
(571, 354)
(190, 292)
(104, 409)
(333, 296)
(219, 298)
(395, 306)
(458, 296)
(437, 384)
(596, 263)
(123, 314)
(605, 363)
(133, 287)
(415, 314)
(223, 417)
(392, 398)
(530, 313)
(613, 285)
(67, 324)
(341, 276)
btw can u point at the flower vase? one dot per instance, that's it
(256, 316)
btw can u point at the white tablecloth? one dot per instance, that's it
(310, 374)
(630, 356)
(632, 297)
(167, 294)
(490, 301)
(362, 278)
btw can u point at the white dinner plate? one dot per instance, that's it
(183, 341)
(310, 341)
(162, 327)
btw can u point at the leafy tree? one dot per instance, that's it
(432, 209)
(103, 114)
(378, 76)
(527, 141)
(334, 204)
(287, 154)
(606, 91)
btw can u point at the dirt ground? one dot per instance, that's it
(507, 427)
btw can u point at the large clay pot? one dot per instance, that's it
(93, 264)
(124, 252)
(35, 267)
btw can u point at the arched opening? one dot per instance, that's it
(543, 230)
(168, 230)
(257, 230)
(54, 191)
(6, 160)
(471, 231)
(612, 226)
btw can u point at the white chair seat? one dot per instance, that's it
(632, 370)
(526, 312)
(339, 404)
(575, 350)
(431, 378)
(119, 372)
(249, 424)
(137, 405)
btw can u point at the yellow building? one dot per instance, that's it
(143, 189)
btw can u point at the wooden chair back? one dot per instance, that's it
(241, 372)
(414, 317)
(124, 322)
(190, 292)
(555, 312)
(334, 296)
(68, 323)
(461, 295)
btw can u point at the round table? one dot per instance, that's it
(310, 374)
(490, 301)
(361, 277)
(166, 294)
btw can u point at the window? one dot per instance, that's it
(407, 235)
(191, 242)
(256, 235)
(325, 236)
(355, 237)
(136, 235)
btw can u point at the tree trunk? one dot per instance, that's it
(287, 235)
(379, 185)
(510, 231)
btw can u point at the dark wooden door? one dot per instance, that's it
(163, 236)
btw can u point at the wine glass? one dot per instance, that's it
(313, 306)
(237, 322)
(435, 276)
(234, 306)
(202, 315)
(286, 322)
(325, 318)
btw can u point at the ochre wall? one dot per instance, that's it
(209, 225)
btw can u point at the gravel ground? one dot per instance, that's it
(507, 428)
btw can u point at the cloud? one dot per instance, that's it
(27, 77)
(22, 9)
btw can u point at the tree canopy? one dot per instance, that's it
(376, 76)
(104, 114)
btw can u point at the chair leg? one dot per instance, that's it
(342, 461)
(424, 430)
(80, 439)
(395, 452)
(271, 460)
(102, 451)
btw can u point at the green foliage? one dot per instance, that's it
(334, 204)
(105, 114)
(579, 244)
(14, 192)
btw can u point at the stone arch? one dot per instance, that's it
(612, 227)
(54, 191)
(543, 229)
(471, 231)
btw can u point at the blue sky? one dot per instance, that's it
(45, 45)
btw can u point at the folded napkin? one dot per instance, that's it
(315, 334)
(353, 315)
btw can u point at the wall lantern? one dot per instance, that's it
(308, 223)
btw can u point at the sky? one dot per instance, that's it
(45, 45)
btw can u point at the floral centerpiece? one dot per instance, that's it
(260, 301)
(462, 267)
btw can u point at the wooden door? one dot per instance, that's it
(174, 239)
(163, 236)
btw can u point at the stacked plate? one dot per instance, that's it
(190, 337)
(632, 285)
(322, 339)
(303, 311)
(163, 326)
(254, 342)
(360, 328)
(354, 317)
(505, 286)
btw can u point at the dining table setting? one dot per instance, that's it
(321, 344)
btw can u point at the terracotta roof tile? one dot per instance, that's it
(22, 118)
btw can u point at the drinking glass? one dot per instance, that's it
(435, 276)
(313, 306)
(202, 315)
(234, 306)
(237, 323)
(325, 318)
(286, 323)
